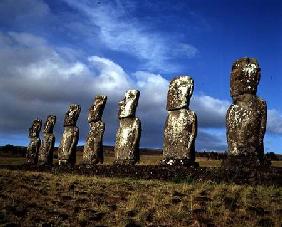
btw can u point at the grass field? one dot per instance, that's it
(34, 199)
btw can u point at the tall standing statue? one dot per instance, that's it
(47, 145)
(93, 149)
(67, 148)
(246, 117)
(181, 124)
(129, 131)
(34, 144)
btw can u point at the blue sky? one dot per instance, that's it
(54, 53)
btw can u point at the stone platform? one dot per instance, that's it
(269, 176)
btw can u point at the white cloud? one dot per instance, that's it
(274, 121)
(124, 33)
(211, 111)
(111, 76)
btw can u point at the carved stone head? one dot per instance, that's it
(35, 128)
(96, 110)
(49, 124)
(72, 115)
(245, 77)
(127, 107)
(179, 92)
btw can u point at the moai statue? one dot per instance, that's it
(93, 149)
(246, 117)
(67, 148)
(129, 131)
(181, 124)
(47, 144)
(34, 144)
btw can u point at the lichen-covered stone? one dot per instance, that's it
(93, 149)
(129, 131)
(67, 148)
(181, 124)
(96, 110)
(246, 117)
(47, 144)
(245, 77)
(179, 93)
(127, 107)
(34, 144)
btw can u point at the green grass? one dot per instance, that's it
(34, 198)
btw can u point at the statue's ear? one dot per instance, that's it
(191, 90)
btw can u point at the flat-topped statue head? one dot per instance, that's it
(72, 115)
(96, 110)
(127, 107)
(179, 92)
(35, 128)
(49, 124)
(245, 77)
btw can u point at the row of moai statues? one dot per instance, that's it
(245, 123)
(37, 151)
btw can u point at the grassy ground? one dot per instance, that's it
(33, 198)
(144, 160)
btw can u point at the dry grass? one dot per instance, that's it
(144, 160)
(33, 198)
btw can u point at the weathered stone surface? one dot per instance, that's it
(179, 93)
(97, 108)
(34, 144)
(72, 115)
(47, 144)
(129, 131)
(93, 149)
(67, 148)
(127, 107)
(246, 117)
(245, 77)
(181, 124)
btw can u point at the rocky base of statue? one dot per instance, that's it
(44, 164)
(88, 165)
(179, 162)
(244, 167)
(245, 161)
(125, 162)
(66, 164)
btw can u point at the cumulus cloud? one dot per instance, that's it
(211, 111)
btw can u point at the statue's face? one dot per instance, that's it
(72, 115)
(245, 77)
(127, 107)
(50, 123)
(96, 110)
(35, 128)
(179, 93)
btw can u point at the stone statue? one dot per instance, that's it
(47, 144)
(67, 148)
(246, 117)
(129, 131)
(34, 144)
(181, 124)
(93, 149)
